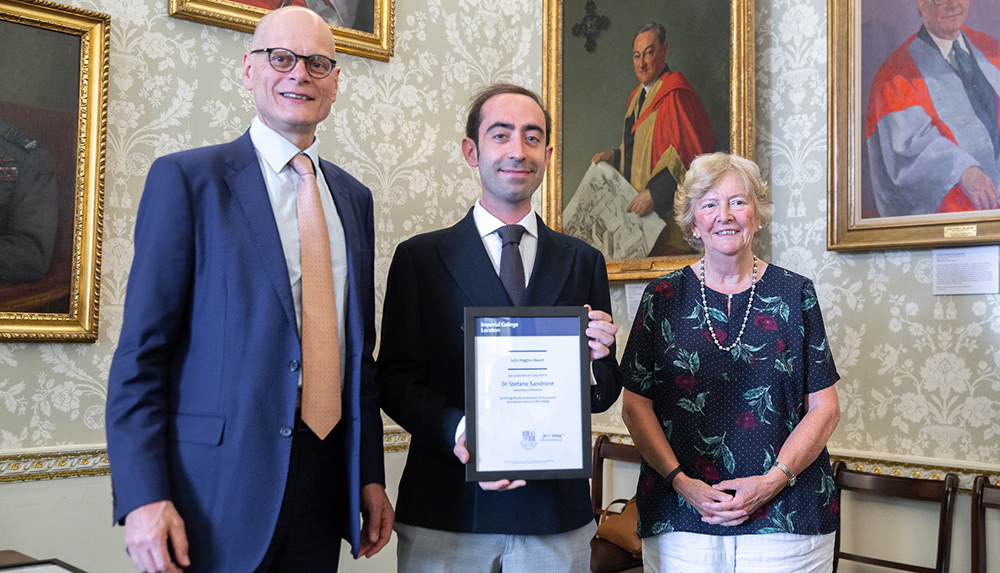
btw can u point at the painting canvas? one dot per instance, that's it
(618, 155)
(360, 27)
(891, 26)
(53, 125)
(915, 141)
(38, 118)
(354, 14)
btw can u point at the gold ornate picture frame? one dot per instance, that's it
(54, 108)
(371, 37)
(588, 76)
(862, 36)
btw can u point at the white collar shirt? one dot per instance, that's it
(487, 225)
(274, 153)
(945, 46)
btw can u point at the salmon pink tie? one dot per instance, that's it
(320, 345)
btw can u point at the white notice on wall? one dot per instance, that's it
(633, 296)
(972, 270)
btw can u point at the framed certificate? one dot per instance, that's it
(527, 393)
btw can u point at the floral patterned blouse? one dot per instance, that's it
(726, 414)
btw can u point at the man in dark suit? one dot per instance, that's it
(243, 422)
(444, 523)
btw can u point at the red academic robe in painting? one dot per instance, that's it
(924, 129)
(661, 138)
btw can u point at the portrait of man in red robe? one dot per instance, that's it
(666, 127)
(931, 130)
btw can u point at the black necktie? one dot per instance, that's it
(511, 265)
(642, 100)
(979, 91)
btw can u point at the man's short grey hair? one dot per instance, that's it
(661, 32)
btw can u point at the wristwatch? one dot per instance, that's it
(788, 472)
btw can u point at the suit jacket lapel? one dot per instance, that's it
(345, 213)
(246, 183)
(343, 204)
(468, 263)
(553, 260)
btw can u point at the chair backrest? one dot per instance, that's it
(605, 449)
(983, 495)
(942, 492)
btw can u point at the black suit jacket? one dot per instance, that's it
(421, 375)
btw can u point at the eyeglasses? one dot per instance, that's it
(940, 2)
(284, 60)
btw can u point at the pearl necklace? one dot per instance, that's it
(708, 318)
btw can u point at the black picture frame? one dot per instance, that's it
(33, 566)
(472, 314)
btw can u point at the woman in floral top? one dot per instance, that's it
(730, 395)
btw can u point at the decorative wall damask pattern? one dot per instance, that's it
(920, 374)
(176, 85)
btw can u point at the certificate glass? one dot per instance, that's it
(527, 393)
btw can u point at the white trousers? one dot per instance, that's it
(682, 552)
(422, 550)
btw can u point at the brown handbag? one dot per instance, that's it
(620, 528)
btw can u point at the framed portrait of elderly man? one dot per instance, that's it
(914, 136)
(361, 27)
(637, 89)
(53, 125)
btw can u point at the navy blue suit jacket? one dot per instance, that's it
(202, 388)
(421, 374)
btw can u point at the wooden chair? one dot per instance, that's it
(984, 495)
(606, 557)
(941, 492)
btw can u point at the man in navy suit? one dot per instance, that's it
(213, 468)
(445, 524)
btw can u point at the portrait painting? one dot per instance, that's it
(52, 124)
(37, 168)
(360, 27)
(354, 14)
(639, 90)
(915, 150)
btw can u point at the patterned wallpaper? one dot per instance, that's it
(176, 84)
(920, 374)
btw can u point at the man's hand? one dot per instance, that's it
(641, 204)
(376, 528)
(980, 189)
(601, 333)
(501, 485)
(148, 528)
(605, 156)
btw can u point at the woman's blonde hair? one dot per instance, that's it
(705, 173)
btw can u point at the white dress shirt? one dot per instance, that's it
(487, 225)
(273, 153)
(946, 46)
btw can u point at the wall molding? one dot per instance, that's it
(53, 464)
(93, 461)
